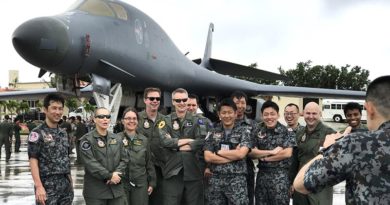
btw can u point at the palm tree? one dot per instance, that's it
(89, 108)
(12, 105)
(23, 108)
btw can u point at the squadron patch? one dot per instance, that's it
(161, 124)
(125, 142)
(146, 124)
(200, 122)
(175, 125)
(85, 145)
(101, 144)
(33, 137)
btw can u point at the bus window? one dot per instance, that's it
(333, 106)
(326, 107)
(339, 106)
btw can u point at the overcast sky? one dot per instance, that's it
(271, 33)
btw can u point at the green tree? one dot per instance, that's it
(89, 108)
(329, 76)
(72, 103)
(12, 106)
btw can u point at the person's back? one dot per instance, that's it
(361, 158)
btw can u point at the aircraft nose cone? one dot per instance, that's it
(42, 42)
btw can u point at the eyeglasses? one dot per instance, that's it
(154, 98)
(191, 105)
(290, 113)
(103, 116)
(180, 100)
(130, 118)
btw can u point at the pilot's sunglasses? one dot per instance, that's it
(103, 116)
(154, 98)
(180, 100)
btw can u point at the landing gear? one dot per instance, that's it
(111, 101)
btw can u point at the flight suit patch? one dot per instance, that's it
(146, 124)
(112, 141)
(175, 125)
(188, 124)
(125, 142)
(200, 122)
(161, 124)
(101, 144)
(85, 145)
(137, 142)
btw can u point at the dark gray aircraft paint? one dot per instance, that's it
(118, 43)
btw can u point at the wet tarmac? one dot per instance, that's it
(17, 188)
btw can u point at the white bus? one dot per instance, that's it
(333, 109)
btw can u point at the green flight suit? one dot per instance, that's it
(6, 130)
(308, 145)
(103, 155)
(150, 130)
(140, 172)
(183, 171)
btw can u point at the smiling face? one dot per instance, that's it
(291, 116)
(53, 113)
(270, 117)
(152, 100)
(130, 121)
(241, 106)
(353, 117)
(227, 116)
(312, 115)
(179, 100)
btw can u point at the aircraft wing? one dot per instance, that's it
(233, 69)
(38, 94)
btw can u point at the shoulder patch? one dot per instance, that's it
(33, 137)
(85, 145)
(200, 121)
(161, 124)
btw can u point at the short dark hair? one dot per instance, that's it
(151, 89)
(78, 117)
(292, 104)
(227, 102)
(130, 109)
(193, 96)
(53, 97)
(270, 104)
(239, 94)
(378, 94)
(352, 106)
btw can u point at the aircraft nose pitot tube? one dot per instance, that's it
(42, 42)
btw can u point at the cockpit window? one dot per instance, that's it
(101, 8)
(119, 10)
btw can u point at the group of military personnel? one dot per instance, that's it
(184, 158)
